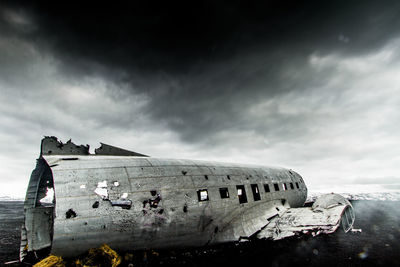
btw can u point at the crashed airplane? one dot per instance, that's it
(76, 201)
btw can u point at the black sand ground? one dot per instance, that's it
(377, 245)
(11, 218)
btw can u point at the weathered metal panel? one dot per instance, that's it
(38, 228)
(169, 223)
(132, 202)
(76, 162)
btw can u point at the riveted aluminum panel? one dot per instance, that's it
(170, 185)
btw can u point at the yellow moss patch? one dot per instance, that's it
(102, 256)
(51, 261)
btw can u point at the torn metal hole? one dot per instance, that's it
(185, 208)
(184, 172)
(153, 203)
(161, 211)
(216, 229)
(48, 199)
(69, 159)
(206, 177)
(95, 205)
(153, 192)
(70, 214)
(101, 189)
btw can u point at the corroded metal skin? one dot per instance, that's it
(179, 219)
(131, 201)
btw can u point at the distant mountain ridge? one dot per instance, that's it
(384, 196)
(7, 198)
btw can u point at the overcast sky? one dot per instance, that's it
(310, 86)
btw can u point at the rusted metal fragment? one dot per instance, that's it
(51, 146)
(105, 149)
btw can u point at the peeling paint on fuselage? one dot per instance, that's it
(173, 216)
(132, 201)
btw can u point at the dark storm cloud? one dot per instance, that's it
(311, 86)
(202, 66)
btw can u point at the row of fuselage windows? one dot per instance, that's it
(202, 194)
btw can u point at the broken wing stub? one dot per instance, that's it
(325, 216)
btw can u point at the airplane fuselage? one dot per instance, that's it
(143, 202)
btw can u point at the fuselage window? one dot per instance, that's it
(284, 186)
(224, 192)
(291, 186)
(297, 185)
(276, 186)
(241, 192)
(266, 188)
(202, 194)
(256, 192)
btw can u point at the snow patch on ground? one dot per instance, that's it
(358, 192)
(393, 196)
